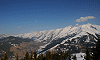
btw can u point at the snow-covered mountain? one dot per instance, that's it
(59, 33)
(4, 35)
(77, 35)
(71, 38)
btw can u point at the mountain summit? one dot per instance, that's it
(79, 30)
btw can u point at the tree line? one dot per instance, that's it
(58, 55)
(95, 54)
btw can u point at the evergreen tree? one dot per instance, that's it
(17, 56)
(94, 56)
(40, 57)
(57, 55)
(96, 51)
(5, 56)
(35, 55)
(48, 55)
(65, 56)
(27, 55)
(69, 57)
(81, 56)
(61, 55)
(31, 55)
(74, 57)
(88, 55)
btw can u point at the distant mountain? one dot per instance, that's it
(59, 33)
(71, 39)
(4, 35)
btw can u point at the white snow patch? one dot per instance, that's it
(79, 56)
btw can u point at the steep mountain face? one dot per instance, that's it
(76, 40)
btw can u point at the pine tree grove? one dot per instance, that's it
(88, 55)
(96, 51)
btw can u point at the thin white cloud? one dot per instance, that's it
(82, 19)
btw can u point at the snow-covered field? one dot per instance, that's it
(79, 56)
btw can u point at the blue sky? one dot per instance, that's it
(24, 16)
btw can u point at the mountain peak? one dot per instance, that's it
(59, 33)
(77, 25)
(4, 35)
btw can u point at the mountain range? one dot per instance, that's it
(79, 30)
(71, 38)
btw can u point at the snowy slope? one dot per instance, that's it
(72, 33)
(59, 33)
(79, 56)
